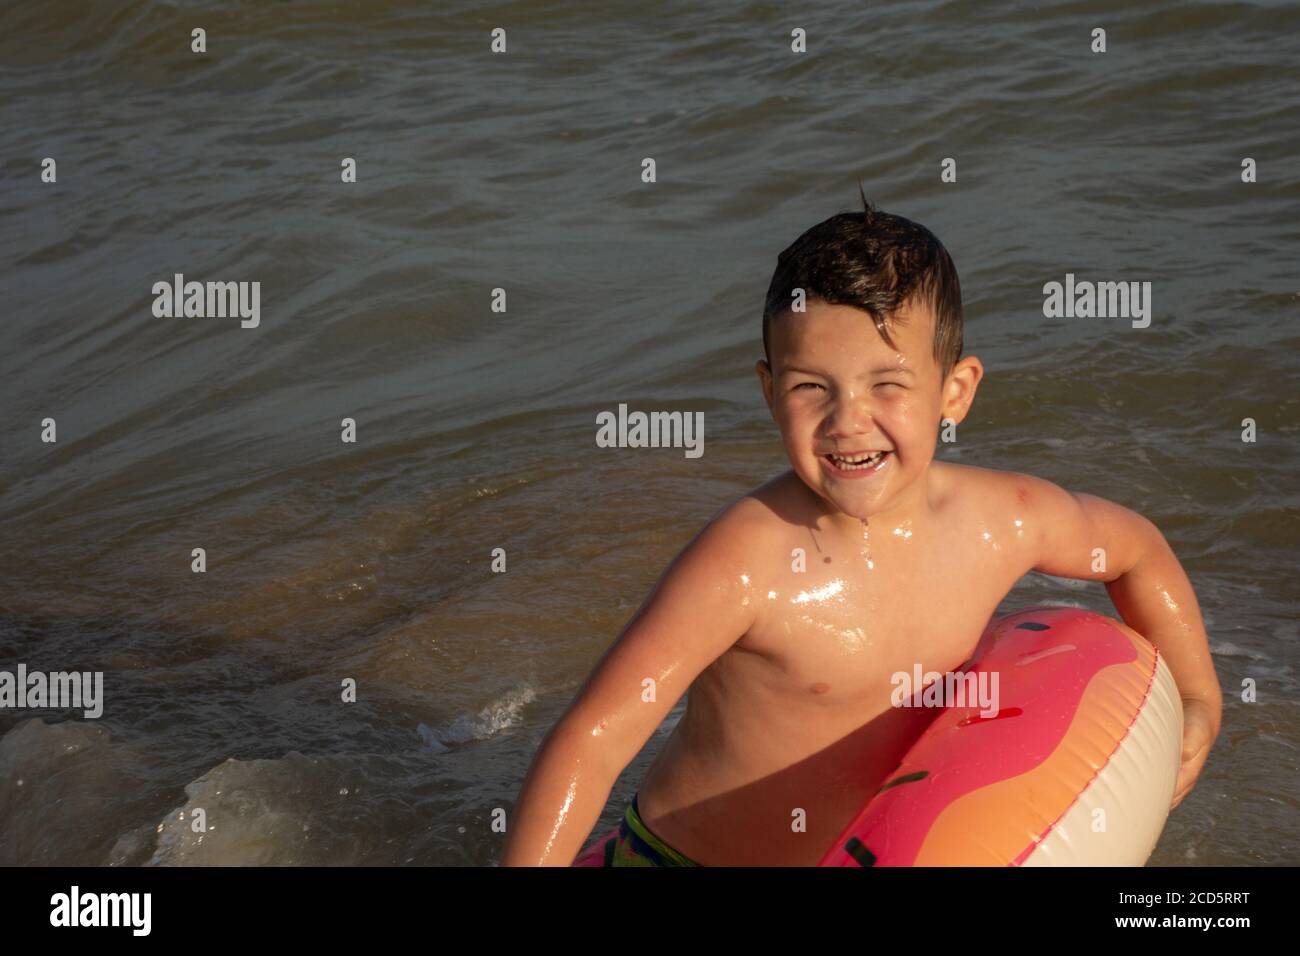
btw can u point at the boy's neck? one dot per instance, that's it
(908, 510)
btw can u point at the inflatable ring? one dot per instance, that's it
(1076, 767)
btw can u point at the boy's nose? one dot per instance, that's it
(850, 415)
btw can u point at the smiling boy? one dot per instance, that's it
(786, 616)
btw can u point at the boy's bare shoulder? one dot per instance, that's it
(764, 515)
(1018, 504)
(998, 488)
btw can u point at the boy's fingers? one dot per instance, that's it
(1180, 790)
(1187, 774)
(1195, 751)
(1192, 748)
(1186, 777)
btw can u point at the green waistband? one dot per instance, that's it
(634, 822)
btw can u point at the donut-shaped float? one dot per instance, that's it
(1076, 767)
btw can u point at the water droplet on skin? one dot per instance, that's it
(866, 545)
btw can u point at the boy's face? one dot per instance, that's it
(837, 391)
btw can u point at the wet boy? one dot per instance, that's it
(787, 614)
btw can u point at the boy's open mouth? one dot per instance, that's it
(859, 463)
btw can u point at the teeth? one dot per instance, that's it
(858, 461)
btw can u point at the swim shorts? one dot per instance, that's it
(635, 845)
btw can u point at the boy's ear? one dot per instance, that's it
(959, 390)
(764, 372)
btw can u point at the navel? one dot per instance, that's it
(819, 688)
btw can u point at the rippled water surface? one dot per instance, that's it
(475, 428)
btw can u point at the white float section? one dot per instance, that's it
(1133, 789)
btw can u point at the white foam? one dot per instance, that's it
(1229, 649)
(495, 717)
(283, 812)
(64, 788)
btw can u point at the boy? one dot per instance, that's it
(788, 613)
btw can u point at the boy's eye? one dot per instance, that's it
(881, 384)
(807, 385)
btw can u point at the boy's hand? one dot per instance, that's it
(1199, 730)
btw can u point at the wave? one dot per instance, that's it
(495, 717)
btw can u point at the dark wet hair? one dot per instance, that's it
(876, 262)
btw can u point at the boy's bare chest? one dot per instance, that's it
(840, 623)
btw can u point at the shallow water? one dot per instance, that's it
(371, 560)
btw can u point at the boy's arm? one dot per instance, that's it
(701, 605)
(1146, 584)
